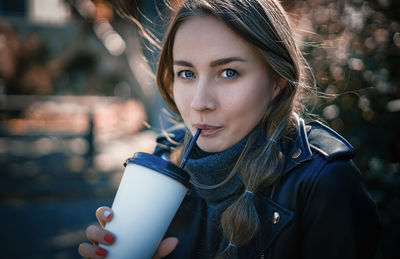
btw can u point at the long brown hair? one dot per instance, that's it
(265, 25)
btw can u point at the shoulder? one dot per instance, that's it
(327, 182)
(337, 177)
(337, 193)
(338, 202)
(320, 156)
(169, 139)
(327, 142)
(329, 175)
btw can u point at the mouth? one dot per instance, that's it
(207, 130)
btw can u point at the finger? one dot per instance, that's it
(96, 234)
(104, 215)
(91, 251)
(166, 247)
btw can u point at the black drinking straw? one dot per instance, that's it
(189, 150)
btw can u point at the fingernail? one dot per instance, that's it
(107, 214)
(101, 251)
(109, 238)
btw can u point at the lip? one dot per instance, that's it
(207, 130)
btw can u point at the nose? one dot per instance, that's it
(203, 99)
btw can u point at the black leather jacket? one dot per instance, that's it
(319, 208)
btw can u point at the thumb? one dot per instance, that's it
(166, 247)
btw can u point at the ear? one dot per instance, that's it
(280, 84)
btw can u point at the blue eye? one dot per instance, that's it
(229, 73)
(186, 74)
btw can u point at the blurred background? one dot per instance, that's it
(77, 98)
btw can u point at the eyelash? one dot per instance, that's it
(180, 73)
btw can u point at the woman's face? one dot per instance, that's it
(221, 84)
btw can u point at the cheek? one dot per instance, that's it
(262, 94)
(253, 101)
(262, 101)
(182, 100)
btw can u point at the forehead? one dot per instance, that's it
(207, 35)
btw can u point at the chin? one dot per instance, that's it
(211, 148)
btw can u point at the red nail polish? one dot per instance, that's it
(109, 238)
(101, 251)
(108, 214)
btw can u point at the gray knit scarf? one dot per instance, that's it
(212, 168)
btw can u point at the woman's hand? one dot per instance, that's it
(166, 247)
(97, 235)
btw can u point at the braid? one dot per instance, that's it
(240, 221)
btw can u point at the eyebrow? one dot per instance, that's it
(215, 63)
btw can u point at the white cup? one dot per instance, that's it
(150, 192)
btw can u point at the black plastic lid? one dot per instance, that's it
(163, 166)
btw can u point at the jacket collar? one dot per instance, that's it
(298, 149)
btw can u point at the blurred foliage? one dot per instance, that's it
(68, 60)
(355, 54)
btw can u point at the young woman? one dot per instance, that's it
(265, 184)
